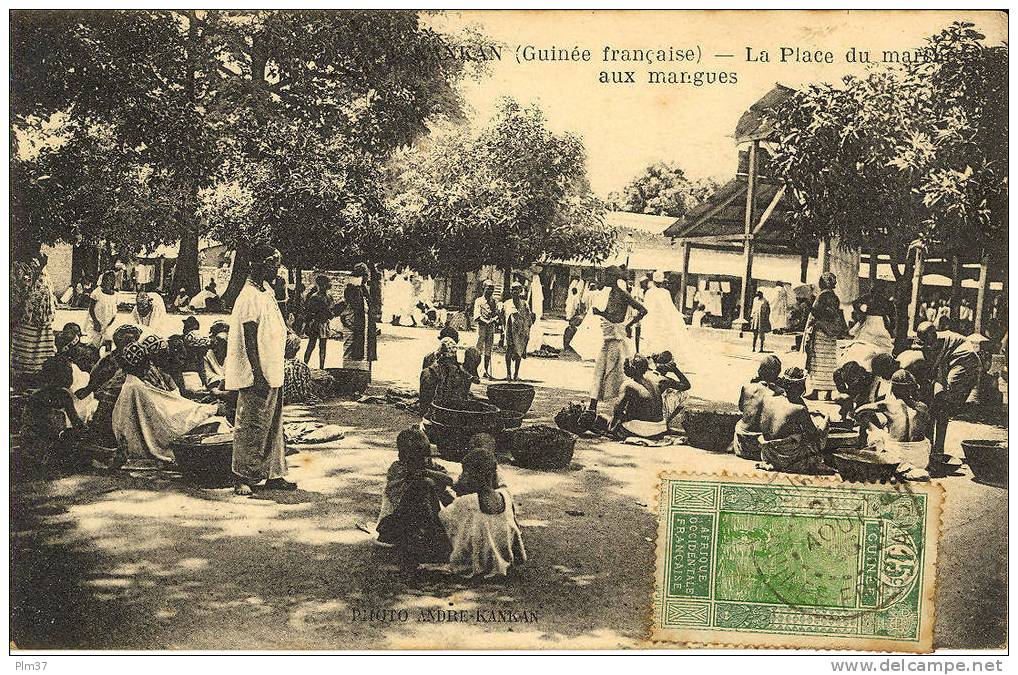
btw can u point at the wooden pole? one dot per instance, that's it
(874, 261)
(747, 246)
(984, 282)
(955, 290)
(684, 279)
(803, 268)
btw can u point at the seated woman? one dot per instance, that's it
(901, 426)
(149, 311)
(415, 490)
(206, 297)
(150, 413)
(792, 437)
(195, 348)
(180, 303)
(106, 381)
(481, 522)
(640, 410)
(445, 379)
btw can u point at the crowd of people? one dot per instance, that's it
(105, 394)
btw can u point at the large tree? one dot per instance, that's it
(511, 194)
(197, 100)
(900, 155)
(663, 189)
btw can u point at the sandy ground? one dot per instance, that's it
(141, 560)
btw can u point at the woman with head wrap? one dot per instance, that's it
(150, 413)
(149, 311)
(32, 312)
(254, 368)
(481, 522)
(826, 323)
(215, 357)
(360, 340)
(444, 379)
(518, 321)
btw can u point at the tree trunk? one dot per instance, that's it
(803, 268)
(238, 275)
(507, 279)
(185, 273)
(874, 261)
(84, 263)
(902, 301)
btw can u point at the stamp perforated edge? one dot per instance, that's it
(927, 620)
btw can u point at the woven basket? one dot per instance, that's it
(711, 430)
(205, 464)
(542, 447)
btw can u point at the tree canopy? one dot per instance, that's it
(663, 189)
(509, 195)
(903, 154)
(283, 116)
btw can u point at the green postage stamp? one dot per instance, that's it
(790, 561)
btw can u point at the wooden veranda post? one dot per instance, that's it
(747, 245)
(984, 282)
(684, 278)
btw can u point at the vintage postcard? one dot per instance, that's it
(375, 329)
(779, 560)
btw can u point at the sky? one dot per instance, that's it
(625, 127)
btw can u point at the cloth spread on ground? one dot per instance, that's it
(315, 433)
(644, 428)
(146, 419)
(483, 544)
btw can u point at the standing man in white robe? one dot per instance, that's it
(254, 368)
(663, 329)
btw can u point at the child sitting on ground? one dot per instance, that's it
(415, 490)
(481, 522)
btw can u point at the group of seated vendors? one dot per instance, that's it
(136, 400)
(900, 406)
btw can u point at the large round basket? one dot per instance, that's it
(468, 414)
(350, 382)
(863, 466)
(711, 430)
(542, 447)
(205, 464)
(988, 460)
(452, 442)
(515, 396)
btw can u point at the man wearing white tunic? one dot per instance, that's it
(663, 329)
(537, 310)
(254, 368)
